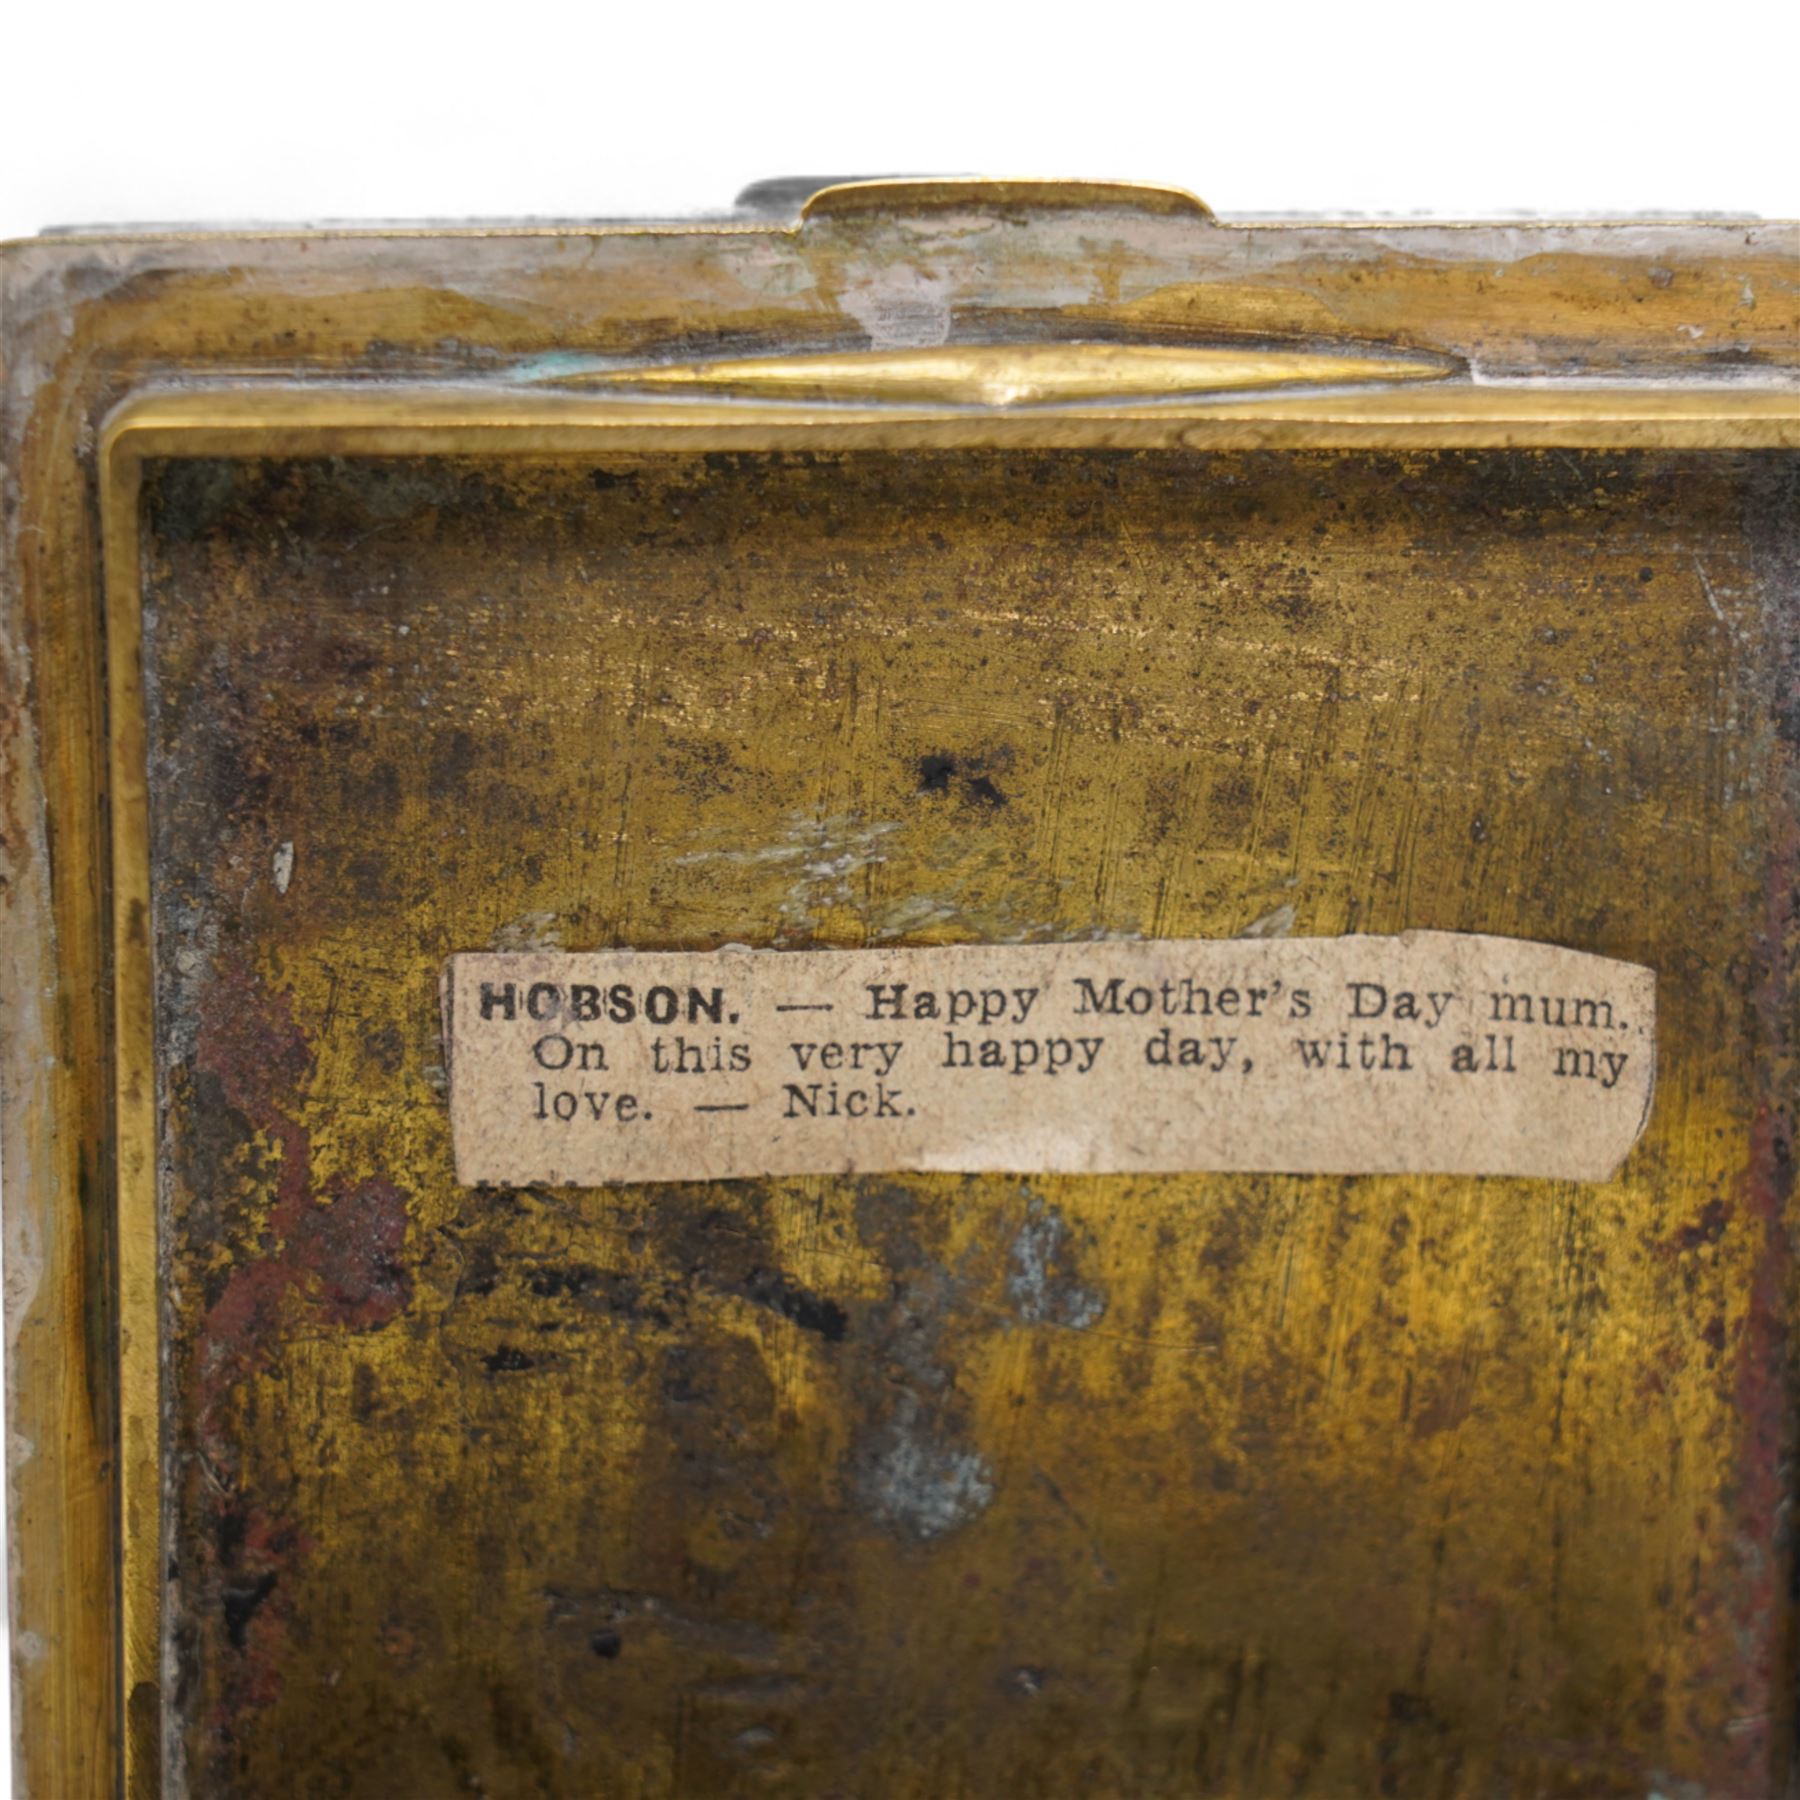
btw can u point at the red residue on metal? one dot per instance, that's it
(340, 1252)
(1761, 1499)
(257, 1556)
(348, 1254)
(337, 1255)
(342, 1256)
(249, 1038)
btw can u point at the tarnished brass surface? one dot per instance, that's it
(952, 606)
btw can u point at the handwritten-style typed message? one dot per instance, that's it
(1432, 1052)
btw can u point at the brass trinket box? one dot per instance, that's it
(1025, 566)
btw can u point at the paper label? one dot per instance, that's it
(1433, 1052)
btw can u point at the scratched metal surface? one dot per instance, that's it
(960, 1485)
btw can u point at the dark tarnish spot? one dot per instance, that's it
(452, 766)
(1707, 1229)
(682, 1385)
(935, 772)
(481, 1273)
(518, 1736)
(370, 878)
(810, 1311)
(1410, 1709)
(508, 1361)
(570, 1281)
(941, 773)
(365, 1394)
(606, 1644)
(611, 1291)
(385, 1047)
(189, 496)
(725, 1252)
(1412, 1736)
(239, 1603)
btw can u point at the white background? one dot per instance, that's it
(353, 108)
(333, 110)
